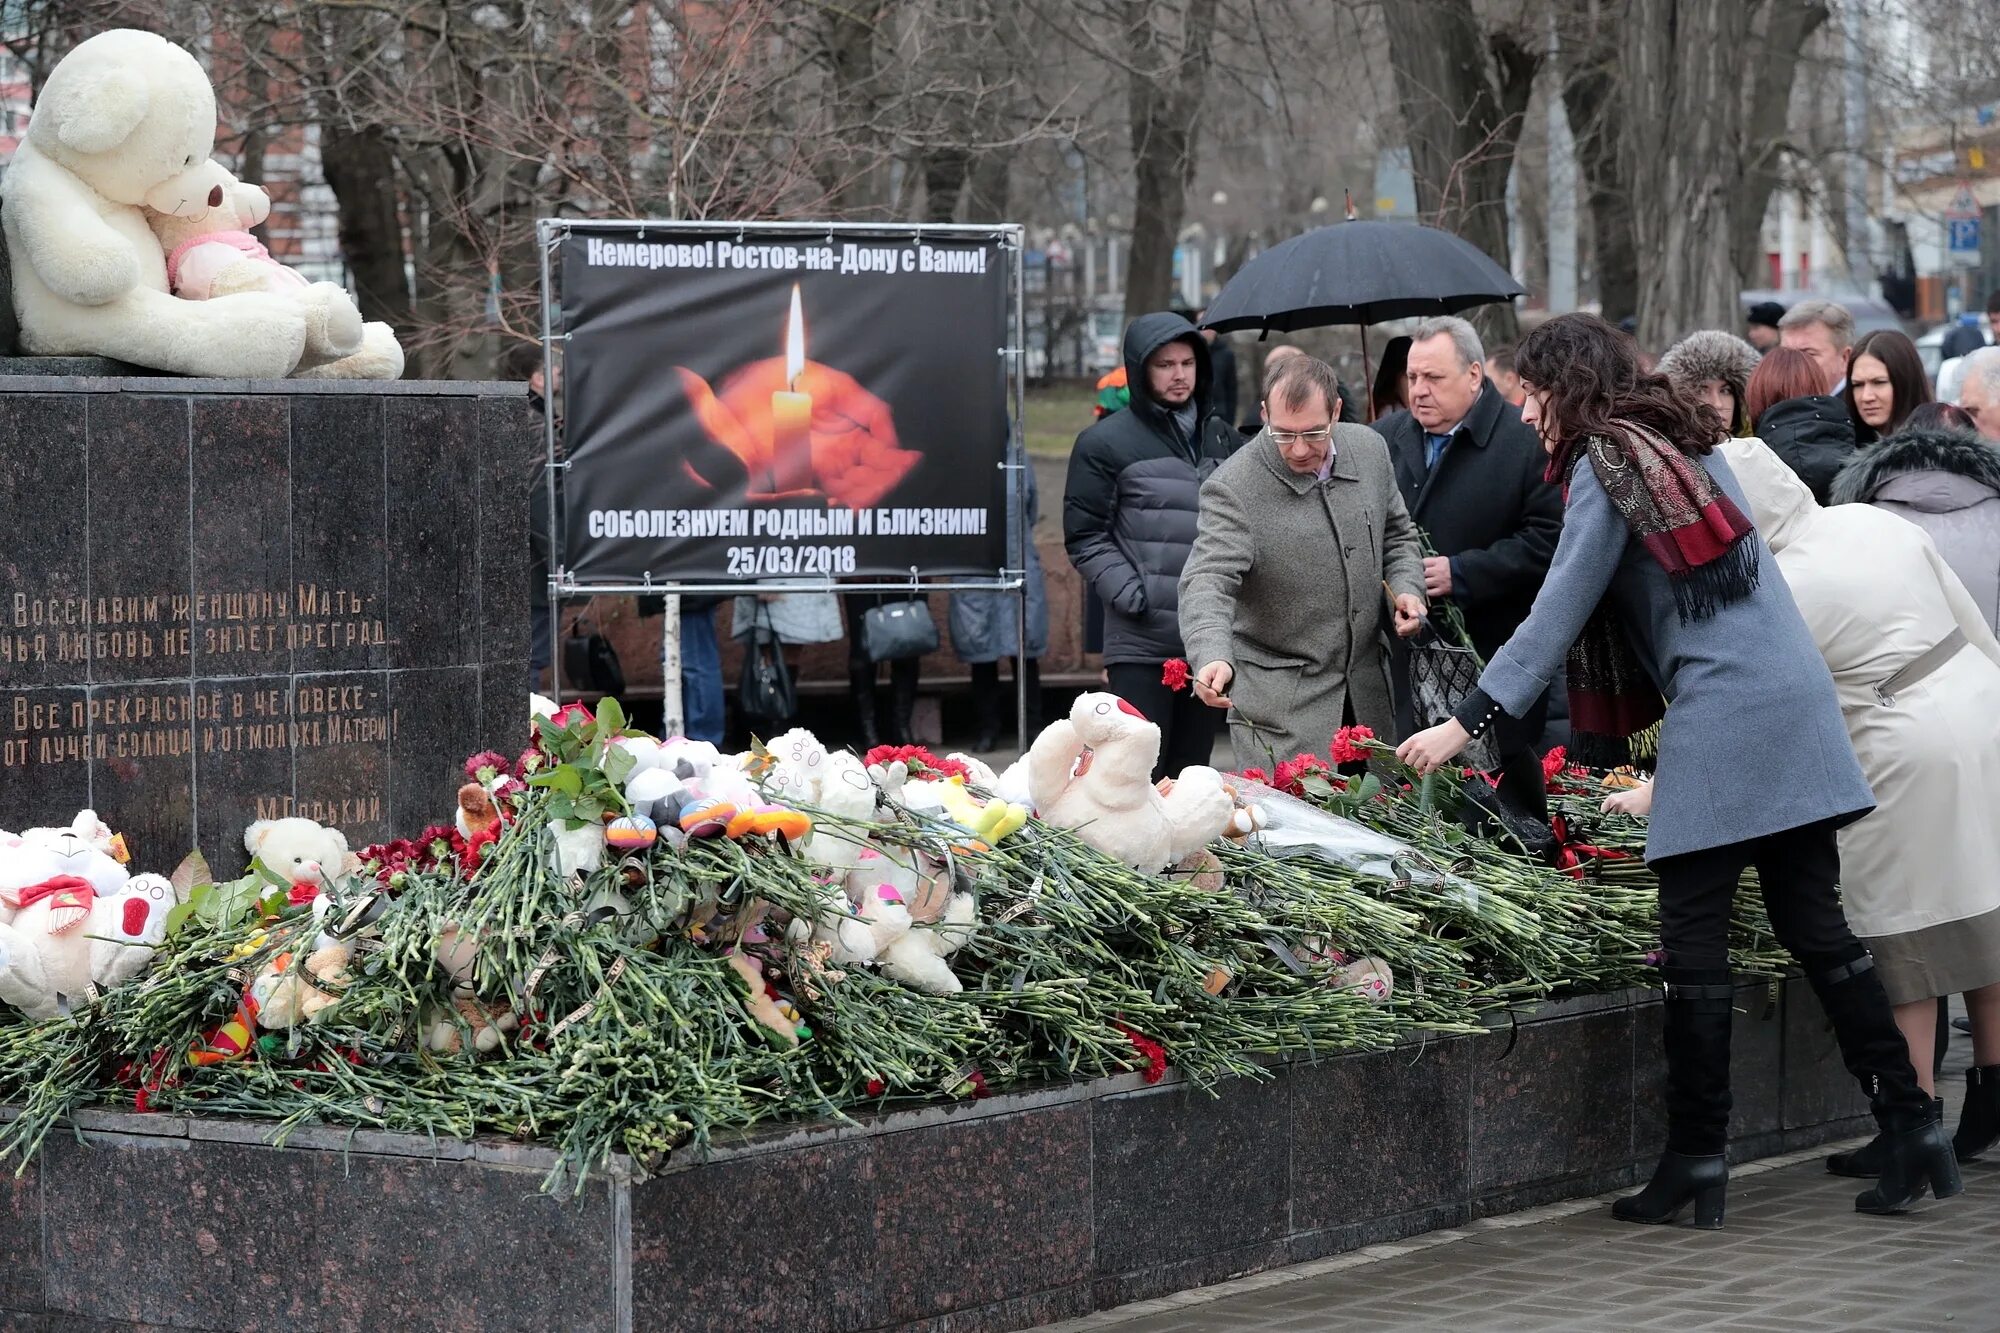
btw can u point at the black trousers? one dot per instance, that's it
(1188, 727)
(1796, 869)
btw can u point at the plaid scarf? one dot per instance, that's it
(1696, 533)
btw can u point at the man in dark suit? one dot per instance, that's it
(1471, 475)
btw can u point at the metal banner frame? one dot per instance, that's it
(550, 234)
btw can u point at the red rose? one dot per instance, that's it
(1174, 674)
(569, 713)
(301, 894)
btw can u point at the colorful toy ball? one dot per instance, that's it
(707, 818)
(630, 833)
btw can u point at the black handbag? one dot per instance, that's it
(764, 692)
(1442, 676)
(590, 664)
(898, 629)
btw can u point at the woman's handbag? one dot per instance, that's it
(1442, 676)
(764, 692)
(898, 629)
(590, 664)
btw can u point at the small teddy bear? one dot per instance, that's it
(210, 252)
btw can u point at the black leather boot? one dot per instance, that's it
(902, 700)
(987, 700)
(1912, 1161)
(1678, 1181)
(1915, 1153)
(1979, 1118)
(1865, 1162)
(861, 687)
(1696, 1021)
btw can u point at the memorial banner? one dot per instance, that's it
(742, 404)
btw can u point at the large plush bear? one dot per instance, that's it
(125, 122)
(1092, 772)
(77, 922)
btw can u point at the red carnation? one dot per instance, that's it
(301, 894)
(1174, 674)
(488, 765)
(1154, 1053)
(876, 1087)
(1553, 763)
(1349, 745)
(1255, 775)
(917, 759)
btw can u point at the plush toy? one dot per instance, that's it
(289, 991)
(467, 1021)
(906, 953)
(1092, 772)
(210, 253)
(300, 851)
(126, 120)
(92, 830)
(70, 936)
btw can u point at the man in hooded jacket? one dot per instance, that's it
(1130, 509)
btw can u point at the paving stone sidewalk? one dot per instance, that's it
(1794, 1258)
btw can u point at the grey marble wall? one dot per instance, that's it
(986, 1215)
(221, 601)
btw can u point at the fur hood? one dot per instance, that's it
(1952, 452)
(1710, 354)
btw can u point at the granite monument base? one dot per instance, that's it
(986, 1215)
(225, 601)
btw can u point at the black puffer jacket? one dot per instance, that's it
(1813, 435)
(1134, 496)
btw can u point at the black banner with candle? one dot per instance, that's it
(742, 404)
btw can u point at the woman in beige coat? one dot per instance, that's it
(1917, 669)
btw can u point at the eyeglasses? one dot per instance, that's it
(1286, 437)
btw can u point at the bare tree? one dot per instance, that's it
(1463, 88)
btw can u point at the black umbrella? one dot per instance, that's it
(1359, 273)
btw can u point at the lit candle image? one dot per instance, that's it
(791, 413)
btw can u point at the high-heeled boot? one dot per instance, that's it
(1696, 1019)
(1915, 1153)
(1979, 1118)
(1865, 1162)
(903, 701)
(861, 688)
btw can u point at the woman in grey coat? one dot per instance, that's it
(1679, 618)
(1947, 483)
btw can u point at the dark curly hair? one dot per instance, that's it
(1590, 375)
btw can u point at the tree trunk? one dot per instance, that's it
(1590, 94)
(1787, 25)
(361, 171)
(1165, 92)
(1463, 94)
(1684, 66)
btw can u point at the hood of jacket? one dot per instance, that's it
(1820, 420)
(1781, 505)
(1935, 471)
(1148, 334)
(1710, 354)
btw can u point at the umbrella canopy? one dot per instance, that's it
(1359, 273)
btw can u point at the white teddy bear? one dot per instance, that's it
(124, 121)
(84, 923)
(299, 850)
(211, 253)
(1092, 772)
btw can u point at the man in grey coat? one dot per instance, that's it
(1282, 598)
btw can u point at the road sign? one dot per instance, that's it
(1961, 226)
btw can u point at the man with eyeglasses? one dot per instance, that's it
(1282, 602)
(1471, 474)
